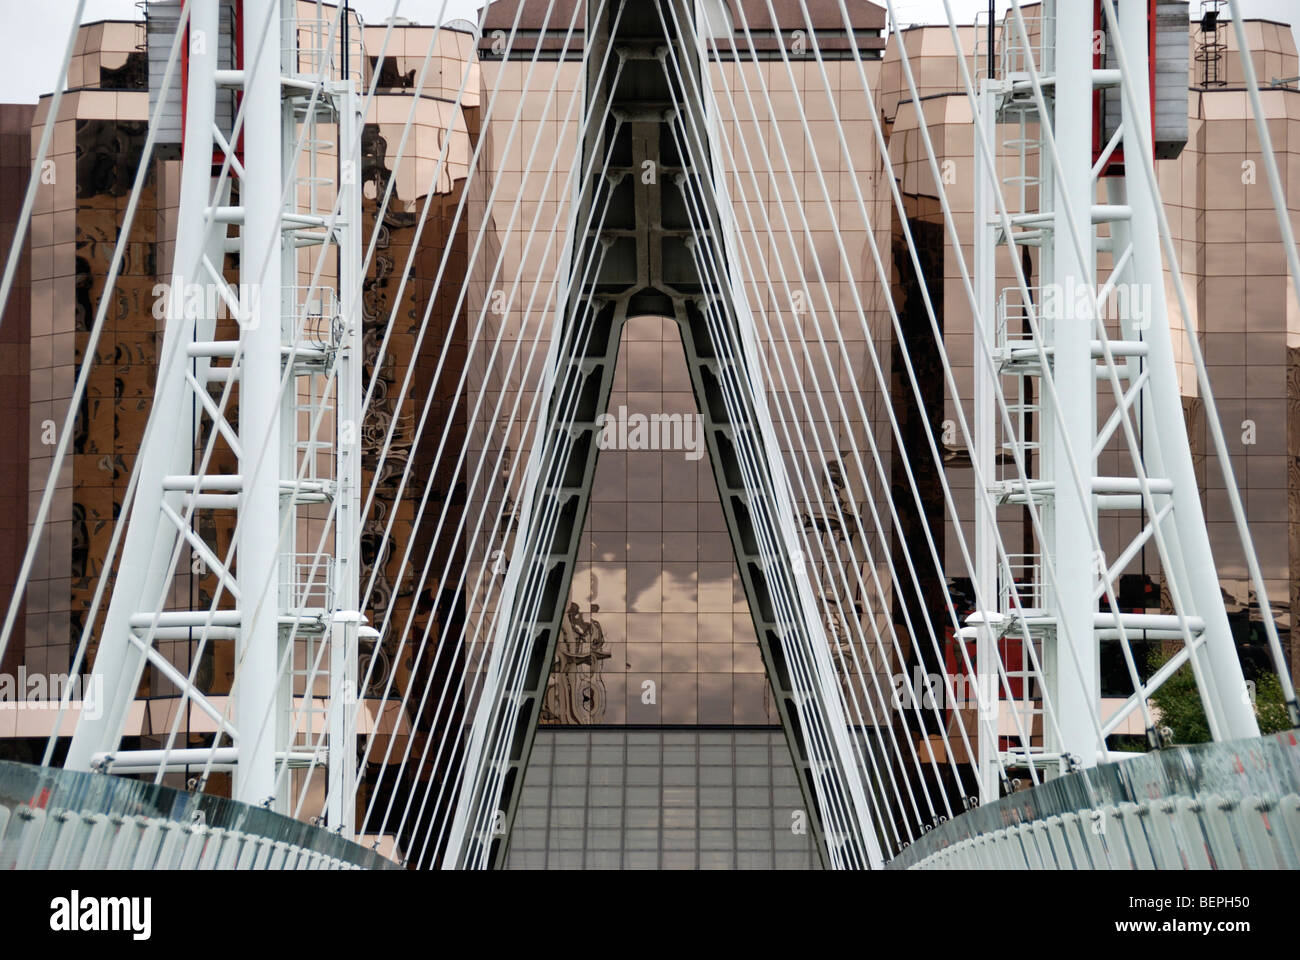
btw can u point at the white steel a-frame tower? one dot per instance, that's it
(292, 167)
(1067, 356)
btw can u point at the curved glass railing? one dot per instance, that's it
(61, 819)
(1229, 805)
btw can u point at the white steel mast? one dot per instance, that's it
(297, 367)
(1067, 363)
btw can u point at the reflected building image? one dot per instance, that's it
(660, 745)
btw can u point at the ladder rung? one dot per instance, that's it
(232, 483)
(212, 501)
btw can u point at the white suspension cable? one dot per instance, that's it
(749, 456)
(438, 537)
(747, 451)
(718, 268)
(883, 274)
(771, 177)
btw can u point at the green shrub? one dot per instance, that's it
(1179, 704)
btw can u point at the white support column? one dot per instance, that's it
(985, 437)
(146, 550)
(1221, 674)
(341, 804)
(344, 696)
(259, 406)
(1077, 671)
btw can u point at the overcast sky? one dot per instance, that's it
(33, 33)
